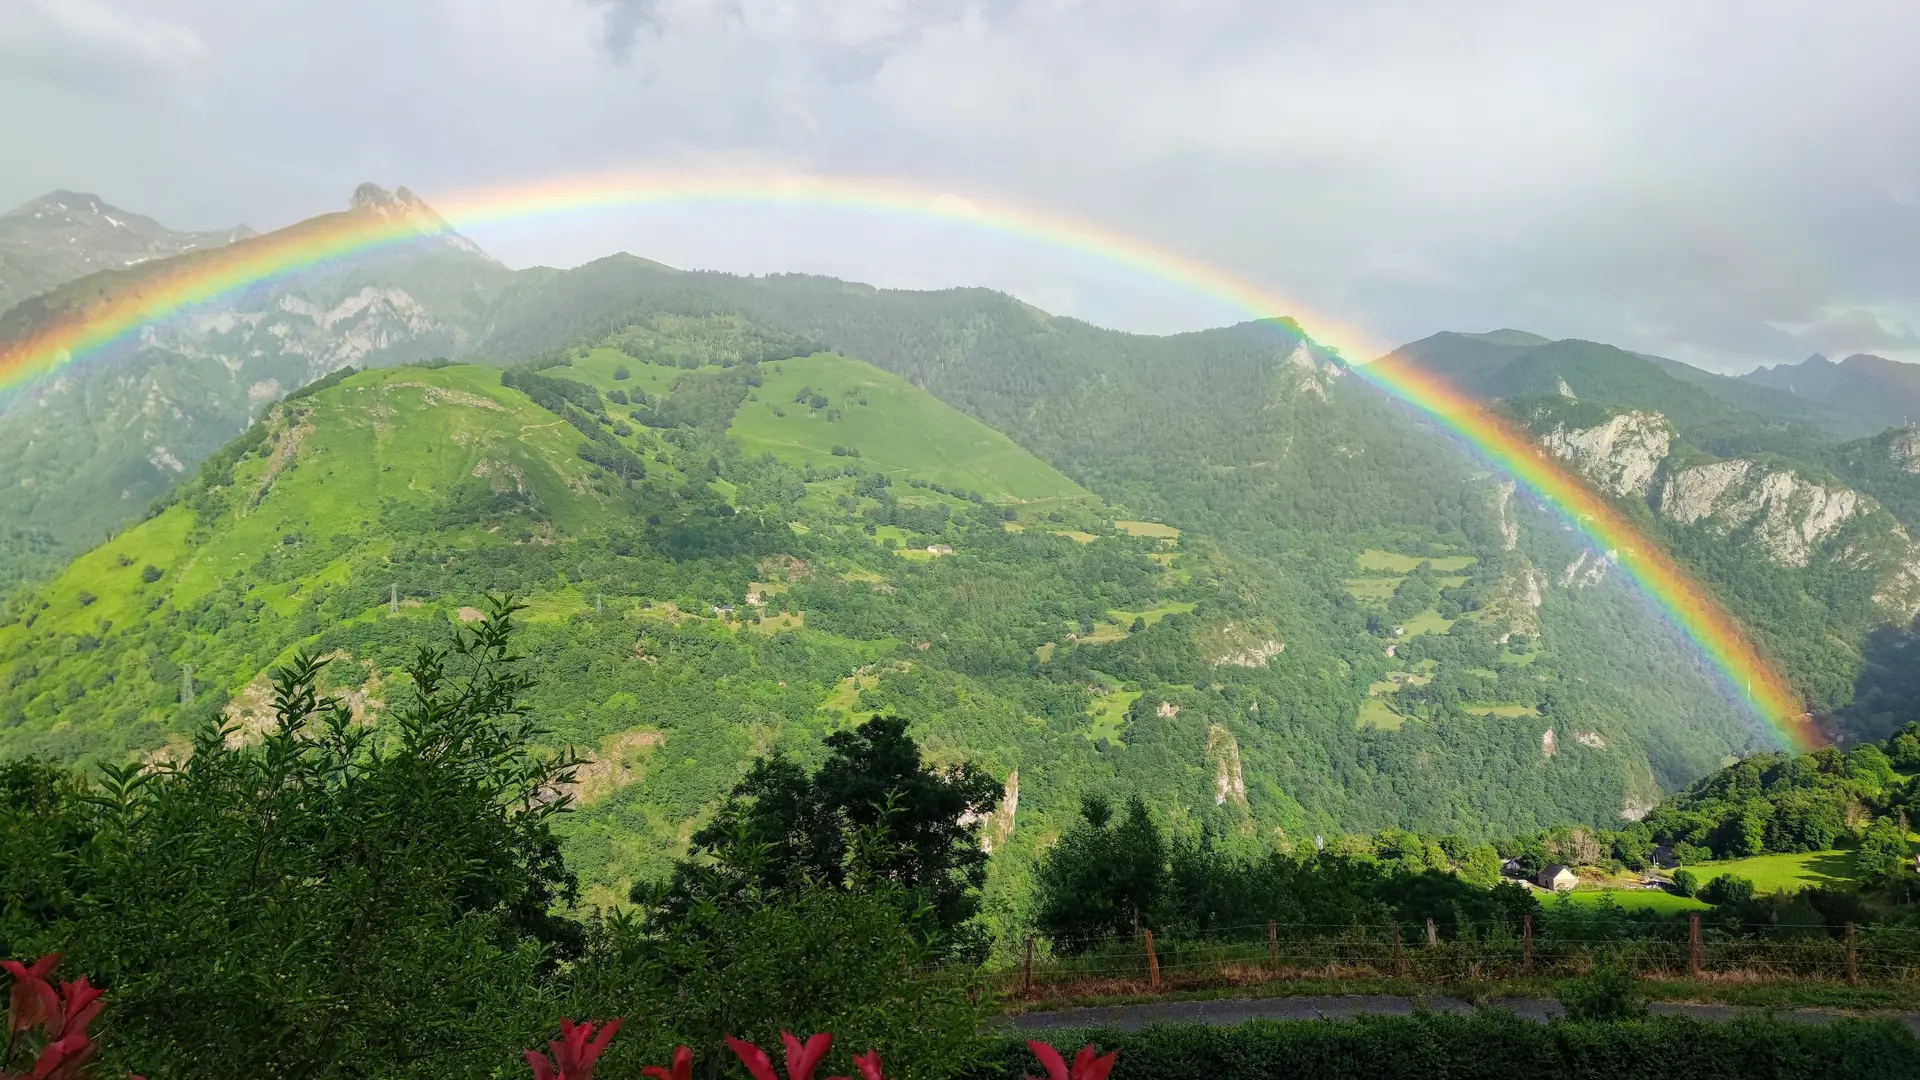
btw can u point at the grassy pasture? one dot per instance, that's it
(1374, 559)
(1148, 528)
(898, 428)
(1376, 713)
(1109, 713)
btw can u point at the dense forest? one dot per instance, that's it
(1127, 627)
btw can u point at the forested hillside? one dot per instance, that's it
(1807, 538)
(1275, 609)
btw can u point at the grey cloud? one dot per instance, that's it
(1720, 184)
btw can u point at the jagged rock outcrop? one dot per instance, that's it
(1223, 757)
(1905, 451)
(1790, 516)
(1622, 455)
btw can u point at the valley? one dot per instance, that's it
(748, 512)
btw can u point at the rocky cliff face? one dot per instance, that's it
(1621, 455)
(1790, 519)
(1905, 451)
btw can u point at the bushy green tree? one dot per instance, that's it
(874, 818)
(1102, 877)
(333, 900)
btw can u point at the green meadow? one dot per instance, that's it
(897, 428)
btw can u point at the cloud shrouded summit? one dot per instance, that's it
(1729, 186)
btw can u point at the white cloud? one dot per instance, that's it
(89, 39)
(1681, 176)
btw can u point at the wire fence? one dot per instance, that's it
(1133, 963)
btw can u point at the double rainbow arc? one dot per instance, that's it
(90, 328)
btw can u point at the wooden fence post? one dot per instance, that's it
(1029, 965)
(1273, 946)
(1693, 946)
(1526, 945)
(1153, 962)
(1433, 935)
(1396, 948)
(1853, 959)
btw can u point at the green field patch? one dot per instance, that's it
(1045, 652)
(1509, 658)
(846, 695)
(1148, 528)
(1076, 535)
(1427, 622)
(1506, 710)
(1485, 673)
(1392, 563)
(1373, 588)
(1789, 873)
(1109, 713)
(897, 428)
(1657, 900)
(1153, 614)
(597, 369)
(1376, 714)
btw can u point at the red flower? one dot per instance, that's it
(32, 1001)
(682, 1067)
(868, 1064)
(1085, 1065)
(574, 1052)
(62, 1057)
(802, 1058)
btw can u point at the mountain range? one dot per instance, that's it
(1879, 392)
(1211, 568)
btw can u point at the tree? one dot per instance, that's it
(358, 893)
(874, 818)
(1686, 882)
(1102, 878)
(1882, 857)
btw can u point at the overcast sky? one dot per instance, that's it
(1726, 183)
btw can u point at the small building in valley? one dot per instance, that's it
(1557, 878)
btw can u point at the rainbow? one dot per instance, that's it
(88, 326)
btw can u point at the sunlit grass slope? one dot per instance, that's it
(898, 429)
(323, 491)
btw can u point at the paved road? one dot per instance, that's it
(1225, 1011)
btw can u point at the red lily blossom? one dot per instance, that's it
(1086, 1066)
(62, 1015)
(574, 1052)
(682, 1067)
(31, 1002)
(868, 1064)
(802, 1058)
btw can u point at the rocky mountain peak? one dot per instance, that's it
(403, 205)
(63, 235)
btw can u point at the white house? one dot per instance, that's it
(1557, 878)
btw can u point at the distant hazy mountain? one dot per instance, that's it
(64, 235)
(1882, 393)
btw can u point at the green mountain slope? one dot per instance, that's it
(84, 453)
(812, 404)
(695, 602)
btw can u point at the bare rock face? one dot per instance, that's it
(1790, 516)
(1223, 755)
(1621, 455)
(1905, 451)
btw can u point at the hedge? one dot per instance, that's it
(1486, 1044)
